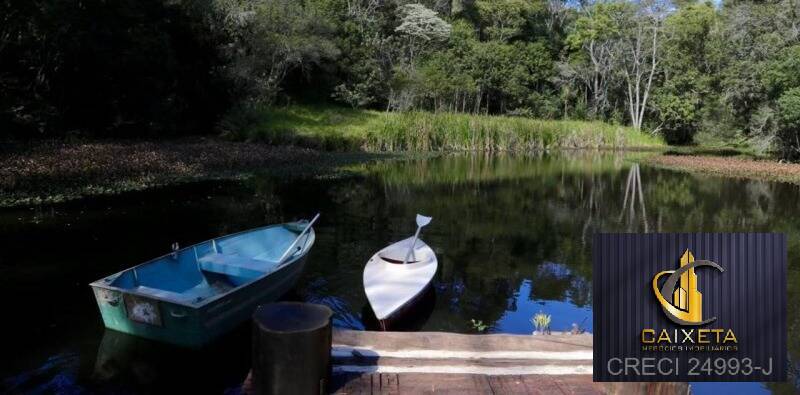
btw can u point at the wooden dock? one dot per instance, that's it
(448, 363)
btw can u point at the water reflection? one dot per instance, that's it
(58, 374)
(633, 189)
(513, 237)
(563, 313)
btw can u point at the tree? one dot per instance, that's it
(108, 68)
(557, 13)
(678, 116)
(360, 75)
(789, 113)
(270, 38)
(783, 72)
(638, 53)
(592, 42)
(503, 19)
(687, 71)
(420, 27)
(449, 75)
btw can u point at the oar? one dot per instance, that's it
(288, 250)
(421, 221)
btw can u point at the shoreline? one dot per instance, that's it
(55, 171)
(52, 172)
(46, 172)
(730, 166)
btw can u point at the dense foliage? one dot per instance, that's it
(714, 72)
(110, 67)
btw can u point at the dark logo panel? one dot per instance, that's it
(689, 307)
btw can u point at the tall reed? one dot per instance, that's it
(419, 131)
(336, 128)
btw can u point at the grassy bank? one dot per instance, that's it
(57, 171)
(280, 141)
(335, 128)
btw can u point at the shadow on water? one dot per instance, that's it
(128, 362)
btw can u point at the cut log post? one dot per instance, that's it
(291, 348)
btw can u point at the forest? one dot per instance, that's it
(709, 73)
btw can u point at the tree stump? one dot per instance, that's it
(291, 348)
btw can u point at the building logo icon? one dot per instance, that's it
(686, 307)
(712, 288)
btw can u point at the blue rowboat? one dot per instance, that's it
(192, 295)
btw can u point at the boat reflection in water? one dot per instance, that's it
(128, 363)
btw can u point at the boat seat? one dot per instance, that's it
(202, 290)
(235, 265)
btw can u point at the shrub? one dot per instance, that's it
(789, 116)
(678, 116)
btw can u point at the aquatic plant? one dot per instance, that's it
(335, 128)
(541, 323)
(478, 325)
(55, 171)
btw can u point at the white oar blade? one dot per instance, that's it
(423, 220)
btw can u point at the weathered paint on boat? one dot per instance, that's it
(193, 295)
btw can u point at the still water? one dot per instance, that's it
(512, 233)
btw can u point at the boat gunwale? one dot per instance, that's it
(433, 257)
(101, 283)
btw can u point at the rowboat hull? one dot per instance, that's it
(192, 323)
(392, 287)
(195, 327)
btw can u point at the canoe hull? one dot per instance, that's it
(416, 309)
(392, 286)
(194, 327)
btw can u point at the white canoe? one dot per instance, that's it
(390, 285)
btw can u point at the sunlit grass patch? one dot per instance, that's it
(335, 128)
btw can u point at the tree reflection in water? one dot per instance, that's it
(512, 233)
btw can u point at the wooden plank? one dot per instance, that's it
(510, 384)
(414, 383)
(436, 362)
(341, 351)
(571, 386)
(549, 385)
(664, 388)
(447, 363)
(442, 341)
(389, 384)
(375, 380)
(351, 384)
(465, 368)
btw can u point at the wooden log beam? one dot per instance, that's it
(557, 341)
(436, 362)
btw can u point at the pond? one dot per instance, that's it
(512, 233)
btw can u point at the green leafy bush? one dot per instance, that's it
(678, 117)
(789, 115)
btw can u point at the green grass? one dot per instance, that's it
(336, 128)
